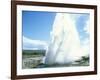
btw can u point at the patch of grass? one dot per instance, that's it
(33, 53)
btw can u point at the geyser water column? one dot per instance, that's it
(65, 42)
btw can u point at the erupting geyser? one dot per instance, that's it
(65, 42)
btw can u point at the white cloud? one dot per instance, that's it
(85, 42)
(75, 17)
(33, 44)
(87, 26)
(85, 46)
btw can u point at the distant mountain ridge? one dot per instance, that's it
(34, 52)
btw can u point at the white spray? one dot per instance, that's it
(65, 42)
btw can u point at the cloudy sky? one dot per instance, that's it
(37, 27)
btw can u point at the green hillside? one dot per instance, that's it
(34, 52)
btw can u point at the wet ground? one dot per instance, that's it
(36, 62)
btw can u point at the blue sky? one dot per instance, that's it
(37, 27)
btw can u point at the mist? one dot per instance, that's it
(65, 45)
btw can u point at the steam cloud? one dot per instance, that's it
(65, 44)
